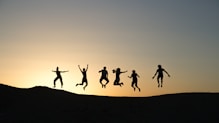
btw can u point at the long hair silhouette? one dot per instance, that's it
(117, 80)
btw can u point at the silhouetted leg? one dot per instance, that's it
(101, 79)
(107, 81)
(55, 81)
(158, 82)
(120, 84)
(136, 85)
(86, 83)
(115, 82)
(61, 82)
(139, 89)
(133, 86)
(80, 83)
(161, 78)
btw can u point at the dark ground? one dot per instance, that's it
(42, 104)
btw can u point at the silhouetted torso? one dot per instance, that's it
(117, 74)
(84, 79)
(84, 74)
(160, 72)
(58, 73)
(104, 73)
(134, 76)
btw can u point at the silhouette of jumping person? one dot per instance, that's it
(104, 76)
(84, 79)
(118, 72)
(134, 77)
(160, 71)
(58, 73)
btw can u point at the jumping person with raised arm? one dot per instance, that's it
(84, 79)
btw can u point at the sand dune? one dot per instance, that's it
(42, 104)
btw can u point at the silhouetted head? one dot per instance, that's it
(83, 69)
(159, 66)
(57, 68)
(104, 68)
(133, 71)
(118, 69)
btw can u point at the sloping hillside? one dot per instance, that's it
(42, 104)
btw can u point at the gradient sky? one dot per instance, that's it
(36, 36)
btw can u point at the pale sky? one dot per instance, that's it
(36, 36)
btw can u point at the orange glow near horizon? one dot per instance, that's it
(44, 77)
(38, 36)
(36, 76)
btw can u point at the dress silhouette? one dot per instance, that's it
(84, 79)
(58, 73)
(134, 77)
(117, 80)
(160, 71)
(104, 76)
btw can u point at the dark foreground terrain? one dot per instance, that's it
(42, 104)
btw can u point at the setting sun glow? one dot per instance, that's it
(182, 36)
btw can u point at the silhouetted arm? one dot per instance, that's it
(87, 67)
(64, 71)
(167, 73)
(79, 68)
(123, 71)
(154, 75)
(54, 71)
(130, 76)
(138, 76)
